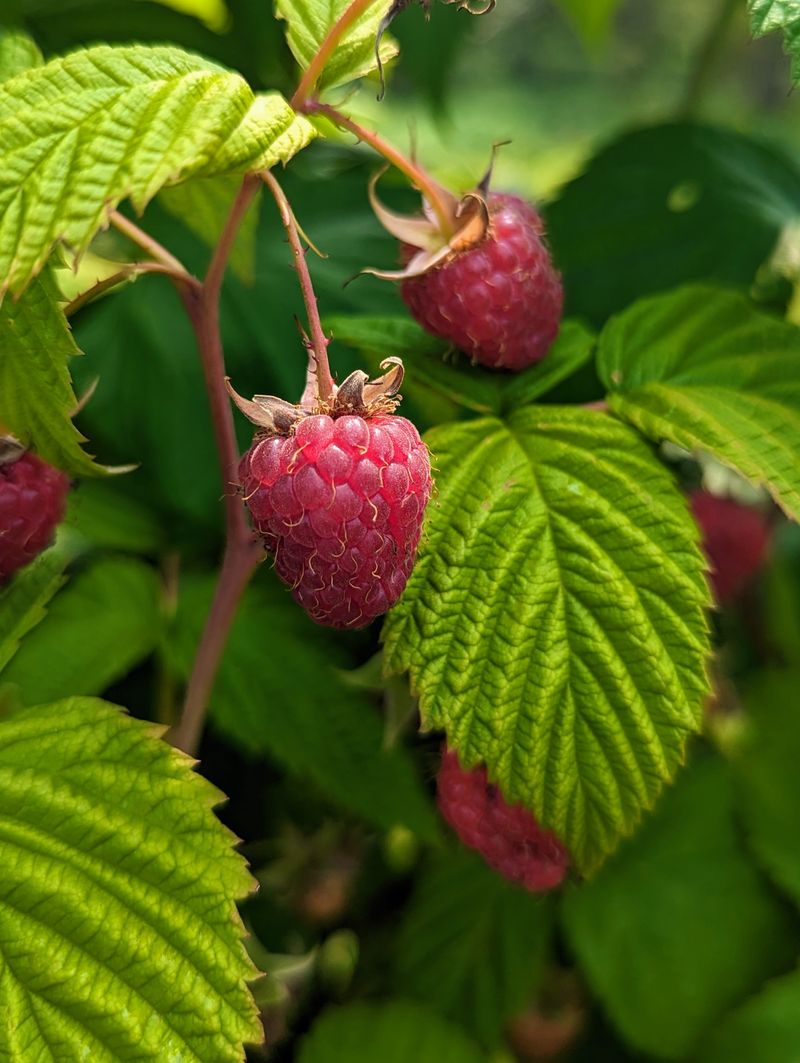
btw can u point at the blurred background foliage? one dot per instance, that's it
(663, 143)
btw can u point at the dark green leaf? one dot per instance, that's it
(766, 1028)
(471, 386)
(667, 205)
(678, 927)
(395, 1032)
(472, 946)
(278, 692)
(105, 621)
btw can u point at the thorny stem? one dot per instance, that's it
(319, 341)
(242, 551)
(434, 194)
(312, 75)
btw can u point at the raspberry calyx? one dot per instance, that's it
(487, 285)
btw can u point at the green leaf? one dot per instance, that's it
(103, 516)
(678, 927)
(17, 53)
(592, 19)
(769, 15)
(119, 938)
(472, 386)
(24, 598)
(203, 205)
(554, 624)
(703, 369)
(278, 692)
(86, 131)
(655, 207)
(768, 778)
(766, 1028)
(105, 621)
(394, 1032)
(36, 396)
(472, 946)
(354, 56)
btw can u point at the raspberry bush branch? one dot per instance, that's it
(318, 350)
(242, 552)
(436, 196)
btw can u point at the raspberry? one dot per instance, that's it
(500, 300)
(507, 836)
(32, 499)
(340, 501)
(735, 539)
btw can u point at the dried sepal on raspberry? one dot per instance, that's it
(477, 273)
(32, 500)
(337, 489)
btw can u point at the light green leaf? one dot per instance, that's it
(769, 15)
(17, 53)
(36, 396)
(472, 946)
(592, 19)
(394, 1032)
(768, 777)
(703, 369)
(766, 1028)
(24, 598)
(472, 386)
(203, 206)
(554, 624)
(105, 621)
(678, 927)
(278, 692)
(86, 131)
(119, 938)
(354, 56)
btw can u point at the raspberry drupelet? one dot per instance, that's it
(500, 300)
(339, 503)
(507, 836)
(32, 500)
(337, 490)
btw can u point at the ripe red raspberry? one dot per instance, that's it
(32, 499)
(735, 539)
(500, 300)
(507, 836)
(340, 501)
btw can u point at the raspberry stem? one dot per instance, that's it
(312, 74)
(152, 247)
(107, 283)
(318, 350)
(441, 202)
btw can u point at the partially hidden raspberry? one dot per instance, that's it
(499, 301)
(339, 501)
(32, 499)
(507, 836)
(736, 540)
